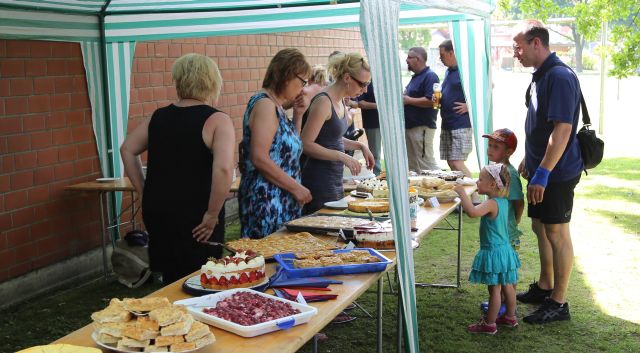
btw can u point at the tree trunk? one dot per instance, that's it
(579, 43)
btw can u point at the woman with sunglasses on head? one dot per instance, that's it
(325, 123)
(270, 192)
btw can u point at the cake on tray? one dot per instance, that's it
(242, 270)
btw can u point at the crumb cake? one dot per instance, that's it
(242, 270)
(373, 205)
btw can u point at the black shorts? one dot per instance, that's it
(557, 203)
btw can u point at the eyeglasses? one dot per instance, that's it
(360, 83)
(411, 57)
(518, 49)
(304, 82)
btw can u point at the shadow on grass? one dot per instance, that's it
(610, 193)
(621, 168)
(627, 222)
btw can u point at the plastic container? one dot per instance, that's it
(196, 305)
(286, 261)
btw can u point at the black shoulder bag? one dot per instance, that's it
(591, 147)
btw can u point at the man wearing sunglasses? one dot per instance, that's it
(419, 114)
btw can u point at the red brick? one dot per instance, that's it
(161, 50)
(83, 167)
(21, 87)
(43, 176)
(143, 65)
(38, 195)
(22, 217)
(81, 134)
(140, 80)
(61, 137)
(40, 140)
(145, 94)
(75, 117)
(47, 157)
(80, 85)
(4, 87)
(17, 49)
(34, 122)
(159, 93)
(19, 143)
(35, 67)
(40, 230)
(25, 160)
(56, 67)
(56, 120)
(15, 200)
(7, 164)
(7, 258)
(75, 67)
(156, 79)
(21, 180)
(10, 125)
(38, 104)
(40, 49)
(63, 84)
(175, 50)
(148, 108)
(157, 65)
(25, 252)
(5, 183)
(135, 110)
(86, 150)
(141, 50)
(20, 269)
(43, 211)
(80, 100)
(11, 68)
(60, 101)
(16, 105)
(61, 49)
(5, 223)
(63, 171)
(67, 153)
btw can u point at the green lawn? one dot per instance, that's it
(603, 289)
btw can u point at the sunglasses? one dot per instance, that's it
(304, 82)
(360, 83)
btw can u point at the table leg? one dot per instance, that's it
(459, 243)
(379, 319)
(399, 317)
(103, 228)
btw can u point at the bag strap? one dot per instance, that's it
(586, 120)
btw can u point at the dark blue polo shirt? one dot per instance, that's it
(370, 118)
(421, 85)
(554, 97)
(452, 92)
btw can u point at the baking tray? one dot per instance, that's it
(286, 261)
(196, 305)
(348, 232)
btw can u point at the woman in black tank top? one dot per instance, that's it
(185, 188)
(325, 123)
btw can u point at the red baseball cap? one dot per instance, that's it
(505, 136)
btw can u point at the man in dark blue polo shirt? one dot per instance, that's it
(419, 115)
(552, 164)
(455, 133)
(369, 108)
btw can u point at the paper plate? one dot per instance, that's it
(192, 286)
(337, 205)
(107, 180)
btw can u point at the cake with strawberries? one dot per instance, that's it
(242, 270)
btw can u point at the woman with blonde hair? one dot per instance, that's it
(326, 121)
(189, 170)
(270, 192)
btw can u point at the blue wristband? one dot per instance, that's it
(541, 177)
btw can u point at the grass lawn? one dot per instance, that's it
(602, 295)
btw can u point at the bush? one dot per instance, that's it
(589, 62)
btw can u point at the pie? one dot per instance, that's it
(373, 205)
(277, 244)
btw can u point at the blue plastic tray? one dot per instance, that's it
(286, 261)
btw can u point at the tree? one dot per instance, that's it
(623, 17)
(413, 37)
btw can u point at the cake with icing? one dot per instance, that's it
(242, 270)
(376, 236)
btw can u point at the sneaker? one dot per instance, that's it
(507, 321)
(549, 311)
(535, 294)
(483, 327)
(484, 306)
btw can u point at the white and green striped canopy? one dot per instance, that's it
(108, 31)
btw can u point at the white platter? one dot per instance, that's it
(337, 205)
(94, 336)
(107, 180)
(196, 305)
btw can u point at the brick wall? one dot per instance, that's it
(46, 137)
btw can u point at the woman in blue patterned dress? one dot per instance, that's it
(270, 192)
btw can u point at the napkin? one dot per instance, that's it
(280, 279)
(292, 294)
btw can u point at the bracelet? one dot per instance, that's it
(541, 177)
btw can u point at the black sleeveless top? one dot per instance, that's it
(179, 164)
(324, 178)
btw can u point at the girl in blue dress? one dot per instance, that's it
(496, 264)
(270, 192)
